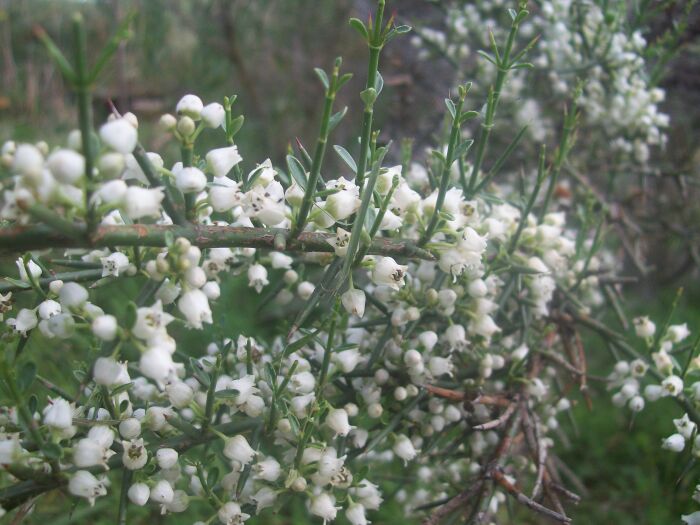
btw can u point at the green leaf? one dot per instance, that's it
(26, 376)
(321, 74)
(336, 118)
(379, 83)
(402, 29)
(212, 476)
(462, 149)
(56, 55)
(52, 450)
(131, 314)
(523, 65)
(236, 125)
(451, 108)
(18, 283)
(358, 26)
(121, 388)
(438, 155)
(342, 81)
(32, 403)
(468, 115)
(199, 374)
(347, 158)
(296, 170)
(488, 57)
(513, 14)
(228, 393)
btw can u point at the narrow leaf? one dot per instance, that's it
(347, 158)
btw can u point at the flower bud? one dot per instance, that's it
(119, 135)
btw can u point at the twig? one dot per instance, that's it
(16, 239)
(521, 498)
(495, 423)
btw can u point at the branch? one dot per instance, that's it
(13, 496)
(17, 239)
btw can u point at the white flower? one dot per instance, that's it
(672, 386)
(323, 506)
(191, 106)
(342, 204)
(162, 492)
(355, 514)
(142, 202)
(72, 295)
(89, 453)
(224, 194)
(403, 447)
(305, 290)
(28, 162)
(34, 270)
(678, 332)
(337, 420)
(644, 327)
(166, 458)
(347, 360)
(221, 160)
(66, 165)
(114, 263)
(674, 443)
(151, 321)
(368, 494)
(484, 326)
(109, 372)
(340, 241)
(257, 277)
(387, 272)
(213, 115)
(263, 498)
(105, 327)
(119, 135)
(49, 308)
(238, 449)
(157, 363)
(685, 426)
(25, 321)
(268, 469)
(230, 514)
(194, 305)
(280, 260)
(138, 494)
(58, 414)
(691, 519)
(85, 485)
(180, 394)
(130, 428)
(135, 455)
(190, 180)
(353, 301)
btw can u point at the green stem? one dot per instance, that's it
(565, 145)
(319, 153)
(169, 204)
(446, 169)
(123, 496)
(359, 223)
(375, 48)
(541, 174)
(84, 94)
(491, 104)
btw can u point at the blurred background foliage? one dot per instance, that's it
(264, 51)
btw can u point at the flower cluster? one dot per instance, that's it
(420, 324)
(665, 375)
(593, 44)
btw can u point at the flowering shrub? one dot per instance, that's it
(435, 315)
